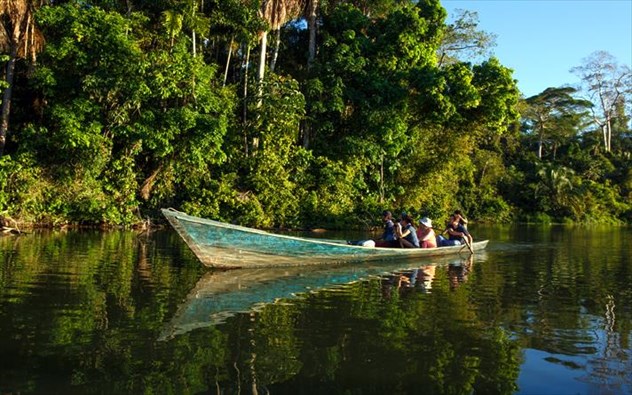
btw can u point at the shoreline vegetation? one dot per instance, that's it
(301, 115)
(10, 227)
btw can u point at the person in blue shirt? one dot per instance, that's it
(456, 233)
(388, 238)
(408, 237)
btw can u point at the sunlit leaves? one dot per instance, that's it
(499, 95)
(113, 104)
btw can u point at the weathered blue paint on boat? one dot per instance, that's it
(222, 245)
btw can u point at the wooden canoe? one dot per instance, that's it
(226, 246)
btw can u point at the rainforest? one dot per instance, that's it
(294, 114)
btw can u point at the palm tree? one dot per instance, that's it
(275, 13)
(197, 21)
(172, 21)
(309, 10)
(556, 186)
(20, 38)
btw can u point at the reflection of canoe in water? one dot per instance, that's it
(222, 245)
(221, 294)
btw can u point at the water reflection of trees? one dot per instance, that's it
(83, 312)
(558, 298)
(118, 291)
(74, 311)
(384, 336)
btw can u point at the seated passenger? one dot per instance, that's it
(456, 233)
(408, 234)
(388, 238)
(463, 222)
(425, 234)
(459, 216)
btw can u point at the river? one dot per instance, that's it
(544, 310)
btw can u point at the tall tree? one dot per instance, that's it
(312, 15)
(276, 13)
(20, 38)
(196, 21)
(186, 14)
(554, 113)
(172, 21)
(234, 24)
(606, 83)
(462, 41)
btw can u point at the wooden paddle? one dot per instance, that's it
(467, 243)
(465, 239)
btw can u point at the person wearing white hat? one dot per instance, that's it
(425, 234)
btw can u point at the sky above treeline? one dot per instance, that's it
(541, 40)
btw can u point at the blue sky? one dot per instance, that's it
(542, 39)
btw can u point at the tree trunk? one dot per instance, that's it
(276, 50)
(262, 58)
(382, 179)
(311, 25)
(194, 44)
(306, 131)
(6, 98)
(260, 76)
(193, 35)
(312, 33)
(246, 99)
(148, 184)
(609, 134)
(230, 53)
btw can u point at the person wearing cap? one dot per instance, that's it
(425, 234)
(388, 238)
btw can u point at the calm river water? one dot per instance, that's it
(544, 310)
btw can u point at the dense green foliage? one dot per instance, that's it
(128, 110)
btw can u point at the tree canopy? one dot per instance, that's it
(130, 107)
